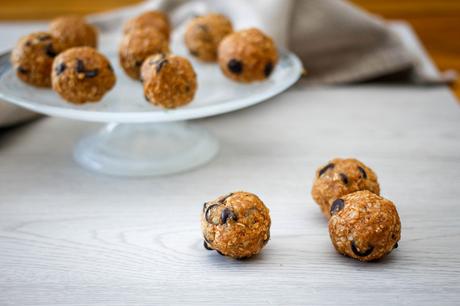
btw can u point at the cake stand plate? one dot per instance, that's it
(140, 139)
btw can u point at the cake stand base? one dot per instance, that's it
(146, 149)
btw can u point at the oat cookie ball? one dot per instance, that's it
(137, 45)
(169, 80)
(73, 31)
(364, 226)
(236, 225)
(33, 56)
(247, 56)
(82, 75)
(151, 19)
(204, 33)
(340, 177)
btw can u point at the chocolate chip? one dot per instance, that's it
(49, 50)
(395, 246)
(344, 178)
(268, 69)
(227, 213)
(138, 63)
(235, 66)
(80, 66)
(325, 168)
(222, 201)
(206, 213)
(22, 70)
(358, 253)
(60, 68)
(160, 63)
(363, 172)
(44, 37)
(337, 206)
(109, 66)
(220, 253)
(206, 246)
(146, 98)
(194, 53)
(28, 43)
(91, 73)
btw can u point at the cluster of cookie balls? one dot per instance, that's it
(362, 224)
(66, 59)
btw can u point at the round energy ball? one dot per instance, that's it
(137, 45)
(340, 177)
(236, 225)
(204, 33)
(73, 31)
(82, 75)
(151, 19)
(33, 56)
(169, 80)
(364, 226)
(247, 56)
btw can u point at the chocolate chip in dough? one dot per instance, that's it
(235, 66)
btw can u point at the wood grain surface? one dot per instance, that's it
(71, 237)
(437, 22)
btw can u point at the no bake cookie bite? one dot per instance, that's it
(364, 226)
(169, 80)
(33, 56)
(247, 56)
(137, 45)
(236, 225)
(73, 31)
(151, 19)
(340, 177)
(204, 33)
(81, 75)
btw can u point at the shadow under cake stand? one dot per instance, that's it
(140, 139)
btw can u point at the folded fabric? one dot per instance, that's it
(336, 41)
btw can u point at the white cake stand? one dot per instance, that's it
(140, 139)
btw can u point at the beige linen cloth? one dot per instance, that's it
(336, 41)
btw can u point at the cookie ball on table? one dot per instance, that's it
(340, 177)
(204, 34)
(236, 225)
(152, 19)
(82, 75)
(364, 226)
(33, 56)
(247, 56)
(169, 80)
(137, 45)
(73, 31)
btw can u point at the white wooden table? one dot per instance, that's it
(71, 237)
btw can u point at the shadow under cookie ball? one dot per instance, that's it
(247, 56)
(136, 46)
(169, 80)
(364, 226)
(73, 31)
(236, 225)
(33, 56)
(204, 33)
(82, 75)
(151, 19)
(340, 177)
